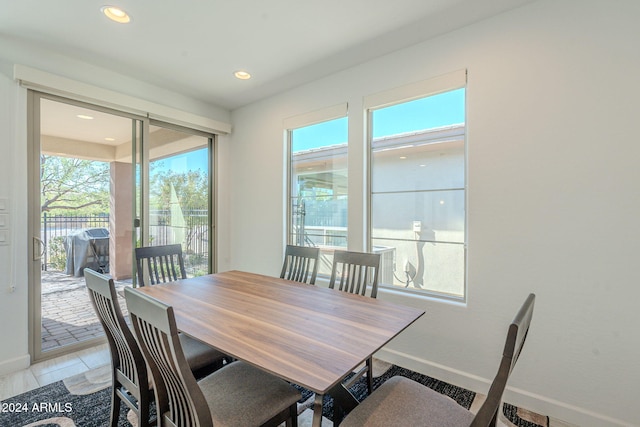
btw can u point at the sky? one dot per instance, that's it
(434, 111)
(179, 163)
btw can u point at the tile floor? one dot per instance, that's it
(50, 371)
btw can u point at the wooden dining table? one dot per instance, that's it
(309, 335)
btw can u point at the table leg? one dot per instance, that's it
(317, 410)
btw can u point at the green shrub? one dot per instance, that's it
(57, 254)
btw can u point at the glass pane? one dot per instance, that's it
(85, 203)
(418, 162)
(318, 199)
(418, 193)
(416, 265)
(430, 216)
(179, 195)
(432, 112)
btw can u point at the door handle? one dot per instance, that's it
(38, 248)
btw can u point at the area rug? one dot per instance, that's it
(84, 401)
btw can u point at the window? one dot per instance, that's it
(317, 211)
(417, 192)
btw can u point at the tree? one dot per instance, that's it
(191, 187)
(182, 201)
(69, 184)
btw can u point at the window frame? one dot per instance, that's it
(422, 89)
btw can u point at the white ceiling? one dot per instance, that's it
(194, 46)
(61, 120)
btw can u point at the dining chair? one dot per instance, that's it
(166, 264)
(300, 264)
(354, 272)
(130, 383)
(161, 263)
(236, 395)
(401, 401)
(128, 367)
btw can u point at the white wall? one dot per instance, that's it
(23, 53)
(13, 263)
(14, 352)
(553, 201)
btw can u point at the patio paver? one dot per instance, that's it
(67, 314)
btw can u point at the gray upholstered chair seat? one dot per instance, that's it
(261, 395)
(403, 402)
(198, 354)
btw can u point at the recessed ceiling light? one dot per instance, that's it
(85, 117)
(109, 139)
(242, 75)
(403, 157)
(115, 14)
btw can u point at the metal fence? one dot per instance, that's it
(56, 227)
(191, 229)
(320, 222)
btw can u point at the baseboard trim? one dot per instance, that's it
(553, 408)
(14, 365)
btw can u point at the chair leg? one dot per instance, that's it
(143, 409)
(115, 406)
(494, 420)
(292, 421)
(370, 375)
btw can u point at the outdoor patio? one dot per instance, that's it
(67, 313)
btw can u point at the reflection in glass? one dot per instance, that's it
(318, 188)
(179, 195)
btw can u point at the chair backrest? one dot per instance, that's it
(300, 264)
(126, 357)
(488, 413)
(163, 264)
(179, 399)
(353, 271)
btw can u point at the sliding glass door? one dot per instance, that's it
(81, 195)
(103, 182)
